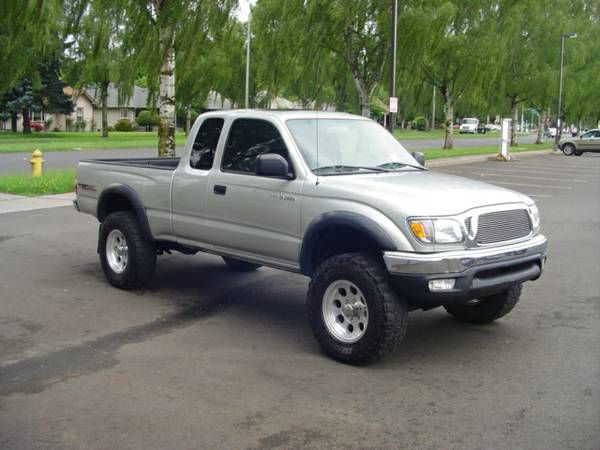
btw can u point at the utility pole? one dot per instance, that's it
(246, 103)
(433, 110)
(560, 87)
(393, 65)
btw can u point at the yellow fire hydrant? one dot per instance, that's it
(36, 162)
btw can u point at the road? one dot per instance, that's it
(207, 358)
(19, 162)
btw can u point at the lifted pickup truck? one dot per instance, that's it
(329, 195)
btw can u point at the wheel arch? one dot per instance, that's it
(121, 197)
(340, 232)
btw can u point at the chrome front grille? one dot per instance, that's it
(500, 226)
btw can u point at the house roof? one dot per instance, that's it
(138, 99)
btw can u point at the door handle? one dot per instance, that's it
(219, 189)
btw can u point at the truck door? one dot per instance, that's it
(190, 182)
(252, 214)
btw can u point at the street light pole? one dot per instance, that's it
(393, 65)
(246, 103)
(560, 88)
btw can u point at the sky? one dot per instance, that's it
(244, 9)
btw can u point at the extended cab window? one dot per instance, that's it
(247, 139)
(205, 144)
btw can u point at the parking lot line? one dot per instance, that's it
(539, 195)
(532, 185)
(487, 174)
(549, 172)
(561, 167)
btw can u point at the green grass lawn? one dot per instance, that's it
(70, 141)
(51, 182)
(435, 153)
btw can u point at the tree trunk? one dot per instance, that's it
(514, 105)
(188, 120)
(26, 121)
(449, 137)
(541, 122)
(13, 122)
(103, 97)
(166, 100)
(363, 95)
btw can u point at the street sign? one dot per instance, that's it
(393, 104)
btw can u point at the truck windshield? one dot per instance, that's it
(347, 146)
(470, 121)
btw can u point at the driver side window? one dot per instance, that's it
(247, 139)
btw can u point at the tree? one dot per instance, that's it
(458, 49)
(97, 51)
(167, 27)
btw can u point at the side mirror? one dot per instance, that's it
(420, 157)
(273, 165)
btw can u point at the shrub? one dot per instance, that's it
(420, 123)
(147, 119)
(123, 125)
(80, 125)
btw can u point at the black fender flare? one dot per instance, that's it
(127, 192)
(345, 219)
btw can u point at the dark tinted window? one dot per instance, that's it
(205, 144)
(247, 139)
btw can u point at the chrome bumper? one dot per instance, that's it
(455, 262)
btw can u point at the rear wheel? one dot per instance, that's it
(569, 149)
(239, 265)
(486, 309)
(128, 260)
(353, 312)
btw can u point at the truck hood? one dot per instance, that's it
(417, 193)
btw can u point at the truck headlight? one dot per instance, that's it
(535, 217)
(438, 231)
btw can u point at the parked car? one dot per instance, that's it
(469, 125)
(493, 127)
(329, 195)
(587, 142)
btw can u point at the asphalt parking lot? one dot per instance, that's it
(207, 358)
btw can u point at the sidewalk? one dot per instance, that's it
(15, 203)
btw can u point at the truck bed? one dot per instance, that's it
(154, 163)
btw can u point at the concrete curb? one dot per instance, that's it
(16, 203)
(441, 162)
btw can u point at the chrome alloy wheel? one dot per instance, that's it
(345, 311)
(116, 251)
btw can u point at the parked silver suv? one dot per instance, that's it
(586, 142)
(334, 197)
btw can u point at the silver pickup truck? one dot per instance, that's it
(329, 195)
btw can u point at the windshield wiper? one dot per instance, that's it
(398, 165)
(342, 168)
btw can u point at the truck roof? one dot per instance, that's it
(284, 114)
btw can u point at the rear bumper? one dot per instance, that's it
(477, 273)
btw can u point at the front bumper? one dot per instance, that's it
(478, 272)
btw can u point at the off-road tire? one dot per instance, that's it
(141, 252)
(489, 308)
(569, 149)
(239, 265)
(388, 314)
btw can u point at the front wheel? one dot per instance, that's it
(578, 153)
(128, 260)
(486, 309)
(568, 149)
(353, 312)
